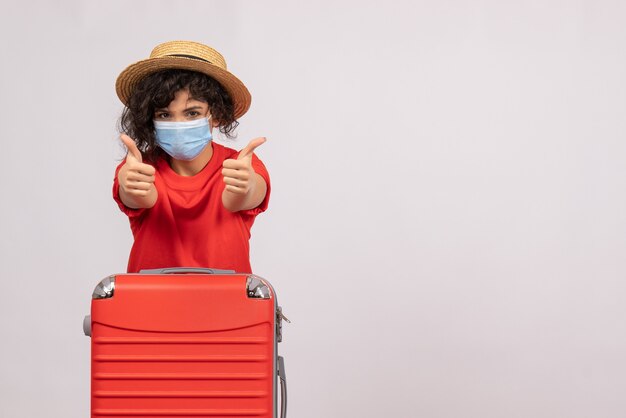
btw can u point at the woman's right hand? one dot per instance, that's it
(136, 179)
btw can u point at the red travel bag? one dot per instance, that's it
(185, 342)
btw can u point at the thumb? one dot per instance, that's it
(252, 145)
(132, 147)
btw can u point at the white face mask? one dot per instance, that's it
(183, 140)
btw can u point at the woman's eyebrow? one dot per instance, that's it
(193, 108)
(165, 109)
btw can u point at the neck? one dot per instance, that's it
(193, 167)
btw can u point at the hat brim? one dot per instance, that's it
(128, 79)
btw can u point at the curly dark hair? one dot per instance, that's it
(157, 90)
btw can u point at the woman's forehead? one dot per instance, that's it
(185, 95)
(182, 98)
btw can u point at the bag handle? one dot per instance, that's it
(283, 387)
(179, 270)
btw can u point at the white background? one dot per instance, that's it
(447, 226)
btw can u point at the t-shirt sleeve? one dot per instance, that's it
(130, 212)
(260, 169)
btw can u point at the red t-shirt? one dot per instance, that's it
(189, 226)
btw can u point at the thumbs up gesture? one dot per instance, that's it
(136, 179)
(245, 189)
(239, 175)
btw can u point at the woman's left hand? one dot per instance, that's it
(239, 175)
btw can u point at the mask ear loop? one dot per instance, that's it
(210, 119)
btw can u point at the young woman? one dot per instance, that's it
(190, 201)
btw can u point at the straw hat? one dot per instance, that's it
(185, 55)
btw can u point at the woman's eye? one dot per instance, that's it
(162, 115)
(193, 114)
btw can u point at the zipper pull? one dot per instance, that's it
(281, 315)
(279, 323)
